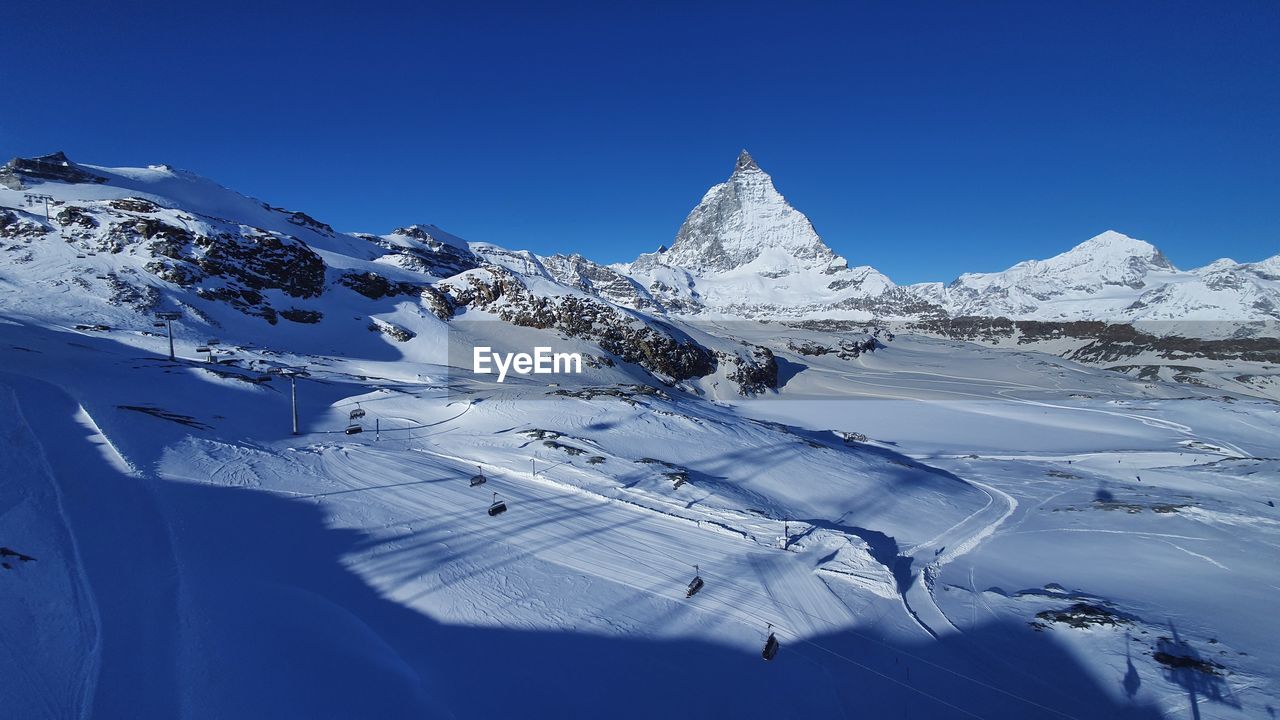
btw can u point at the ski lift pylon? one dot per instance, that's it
(498, 507)
(695, 584)
(770, 645)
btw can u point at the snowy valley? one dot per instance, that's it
(1045, 492)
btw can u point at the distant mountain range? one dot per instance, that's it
(118, 243)
(745, 251)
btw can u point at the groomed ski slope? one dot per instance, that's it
(232, 570)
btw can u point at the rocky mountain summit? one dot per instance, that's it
(745, 222)
(126, 241)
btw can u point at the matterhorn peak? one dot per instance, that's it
(745, 222)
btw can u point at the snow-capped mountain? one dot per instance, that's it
(1104, 271)
(1115, 278)
(744, 250)
(184, 535)
(744, 223)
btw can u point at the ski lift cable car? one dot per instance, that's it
(357, 414)
(498, 507)
(478, 479)
(354, 429)
(770, 645)
(695, 584)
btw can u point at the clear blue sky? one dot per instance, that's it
(926, 139)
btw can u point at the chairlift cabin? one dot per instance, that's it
(202, 348)
(354, 429)
(157, 324)
(356, 414)
(498, 507)
(478, 479)
(695, 584)
(770, 646)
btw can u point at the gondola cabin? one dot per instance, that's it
(354, 429)
(695, 584)
(498, 507)
(770, 647)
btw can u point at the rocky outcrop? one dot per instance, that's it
(12, 226)
(299, 315)
(72, 216)
(133, 205)
(754, 370)
(391, 330)
(375, 287)
(417, 248)
(1100, 342)
(847, 349)
(579, 272)
(55, 167)
(657, 348)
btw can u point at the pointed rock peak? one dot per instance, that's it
(54, 166)
(745, 162)
(420, 232)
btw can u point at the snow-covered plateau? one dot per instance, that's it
(1042, 493)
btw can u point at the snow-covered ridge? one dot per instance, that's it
(744, 251)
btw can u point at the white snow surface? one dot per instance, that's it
(907, 521)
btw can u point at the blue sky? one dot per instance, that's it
(926, 139)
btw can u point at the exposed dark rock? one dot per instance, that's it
(54, 167)
(655, 348)
(437, 302)
(625, 393)
(1106, 342)
(569, 449)
(846, 350)
(302, 316)
(75, 217)
(302, 219)
(12, 226)
(391, 330)
(374, 286)
(754, 371)
(137, 205)
(577, 271)
(1083, 615)
(429, 255)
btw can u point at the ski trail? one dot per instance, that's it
(93, 661)
(89, 471)
(919, 597)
